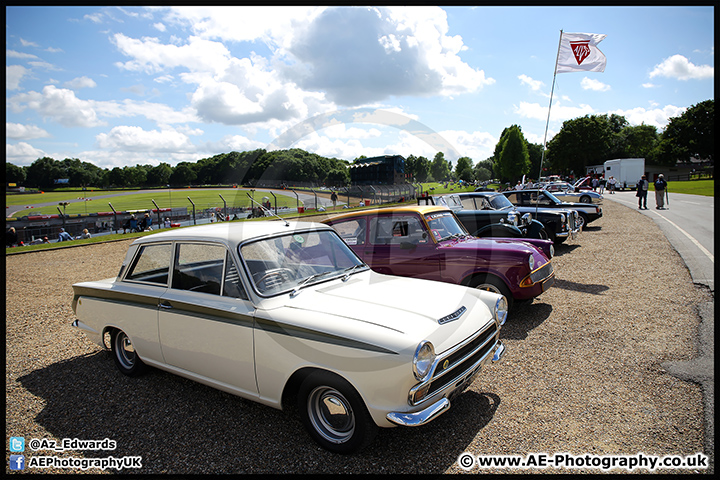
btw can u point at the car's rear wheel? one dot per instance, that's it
(492, 283)
(585, 199)
(334, 414)
(125, 356)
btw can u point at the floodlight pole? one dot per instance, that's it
(193, 204)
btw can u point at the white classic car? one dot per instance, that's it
(278, 312)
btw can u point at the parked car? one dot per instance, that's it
(559, 224)
(568, 192)
(429, 242)
(530, 198)
(272, 311)
(489, 223)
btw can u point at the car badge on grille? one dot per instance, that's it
(446, 363)
(453, 316)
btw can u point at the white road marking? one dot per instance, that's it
(697, 244)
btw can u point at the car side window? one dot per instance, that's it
(232, 287)
(395, 230)
(151, 264)
(198, 267)
(513, 197)
(352, 231)
(468, 203)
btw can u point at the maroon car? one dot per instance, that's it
(430, 242)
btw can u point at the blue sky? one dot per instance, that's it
(119, 86)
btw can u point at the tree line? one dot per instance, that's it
(294, 165)
(583, 141)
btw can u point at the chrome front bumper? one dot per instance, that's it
(428, 414)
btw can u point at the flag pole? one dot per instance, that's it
(552, 90)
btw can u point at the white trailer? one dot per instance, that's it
(627, 171)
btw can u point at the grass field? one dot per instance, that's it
(129, 200)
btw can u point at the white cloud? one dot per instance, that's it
(681, 68)
(592, 84)
(558, 112)
(14, 75)
(658, 117)
(20, 55)
(476, 145)
(151, 56)
(534, 85)
(362, 55)
(18, 131)
(136, 139)
(80, 82)
(22, 153)
(59, 105)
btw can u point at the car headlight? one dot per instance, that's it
(512, 218)
(423, 360)
(552, 251)
(501, 310)
(531, 262)
(563, 218)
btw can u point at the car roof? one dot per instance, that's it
(421, 209)
(232, 233)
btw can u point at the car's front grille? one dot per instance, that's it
(542, 273)
(572, 220)
(455, 365)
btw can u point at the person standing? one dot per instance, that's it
(660, 187)
(642, 189)
(601, 185)
(611, 184)
(11, 237)
(334, 198)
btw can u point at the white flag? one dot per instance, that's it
(579, 53)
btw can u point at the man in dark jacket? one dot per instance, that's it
(660, 187)
(642, 189)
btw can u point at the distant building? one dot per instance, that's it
(383, 170)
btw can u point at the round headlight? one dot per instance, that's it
(501, 310)
(552, 250)
(423, 360)
(531, 262)
(562, 217)
(512, 218)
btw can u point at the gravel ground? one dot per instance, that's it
(582, 374)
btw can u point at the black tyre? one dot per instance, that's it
(126, 359)
(585, 199)
(582, 220)
(334, 414)
(492, 283)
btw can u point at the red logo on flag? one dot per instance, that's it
(581, 50)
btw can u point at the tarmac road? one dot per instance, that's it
(688, 222)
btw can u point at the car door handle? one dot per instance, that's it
(165, 305)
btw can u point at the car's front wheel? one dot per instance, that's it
(582, 220)
(125, 356)
(493, 284)
(334, 414)
(585, 199)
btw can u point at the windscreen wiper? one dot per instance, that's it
(296, 290)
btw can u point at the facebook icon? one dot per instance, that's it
(17, 462)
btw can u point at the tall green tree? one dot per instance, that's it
(514, 160)
(439, 168)
(464, 169)
(692, 134)
(581, 142)
(14, 174)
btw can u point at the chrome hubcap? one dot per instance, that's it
(125, 350)
(331, 414)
